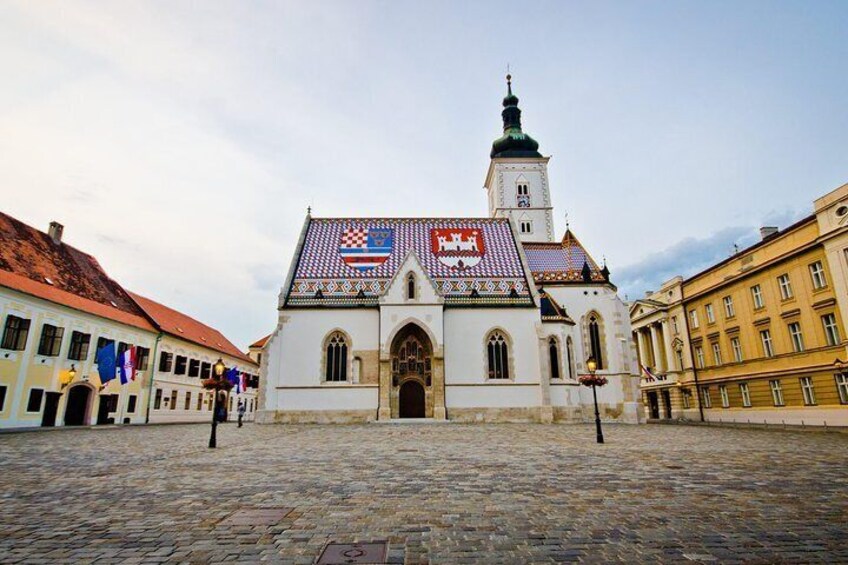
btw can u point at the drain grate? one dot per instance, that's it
(373, 553)
(256, 517)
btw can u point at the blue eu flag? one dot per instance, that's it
(105, 360)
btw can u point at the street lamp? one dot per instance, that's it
(216, 383)
(68, 378)
(594, 381)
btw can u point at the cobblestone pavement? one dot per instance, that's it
(436, 493)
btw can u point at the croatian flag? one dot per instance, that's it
(649, 376)
(243, 383)
(126, 364)
(105, 360)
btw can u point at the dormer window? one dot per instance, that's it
(523, 195)
(410, 286)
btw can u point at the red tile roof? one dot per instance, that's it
(185, 327)
(30, 262)
(260, 343)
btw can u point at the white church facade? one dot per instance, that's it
(464, 319)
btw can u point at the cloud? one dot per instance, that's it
(692, 255)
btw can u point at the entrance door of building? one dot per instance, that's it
(108, 403)
(412, 400)
(51, 405)
(666, 396)
(654, 405)
(77, 405)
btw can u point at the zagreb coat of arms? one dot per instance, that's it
(458, 248)
(366, 248)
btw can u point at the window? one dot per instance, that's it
(51, 340)
(410, 286)
(841, 388)
(693, 319)
(103, 342)
(595, 341)
(553, 354)
(569, 351)
(746, 395)
(15, 333)
(498, 354)
(336, 369)
(797, 338)
(831, 332)
(776, 392)
(817, 274)
(34, 401)
(737, 349)
(674, 326)
(194, 368)
(142, 358)
(729, 312)
(3, 389)
(187, 401)
(123, 347)
(757, 295)
(717, 353)
(205, 370)
(705, 393)
(157, 404)
(166, 361)
(725, 399)
(785, 287)
(809, 392)
(768, 348)
(131, 402)
(686, 399)
(523, 195)
(79, 346)
(525, 226)
(679, 354)
(699, 356)
(180, 365)
(710, 314)
(199, 401)
(173, 399)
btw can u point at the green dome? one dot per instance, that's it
(514, 142)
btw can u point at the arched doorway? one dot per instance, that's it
(411, 401)
(411, 367)
(76, 407)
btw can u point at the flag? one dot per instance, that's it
(649, 376)
(243, 383)
(126, 363)
(233, 377)
(105, 360)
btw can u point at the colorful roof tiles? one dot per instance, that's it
(351, 261)
(562, 262)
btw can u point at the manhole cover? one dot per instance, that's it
(256, 517)
(344, 553)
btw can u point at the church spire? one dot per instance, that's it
(514, 142)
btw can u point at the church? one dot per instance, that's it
(485, 319)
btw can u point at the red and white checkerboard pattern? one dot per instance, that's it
(354, 238)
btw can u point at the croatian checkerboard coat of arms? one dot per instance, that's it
(366, 248)
(458, 248)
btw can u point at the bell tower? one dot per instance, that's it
(517, 181)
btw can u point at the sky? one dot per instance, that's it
(180, 142)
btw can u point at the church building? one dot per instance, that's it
(464, 319)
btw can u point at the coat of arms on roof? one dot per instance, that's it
(366, 248)
(458, 248)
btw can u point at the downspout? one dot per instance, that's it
(152, 375)
(692, 354)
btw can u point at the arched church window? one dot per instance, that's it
(569, 350)
(336, 361)
(410, 286)
(523, 195)
(498, 354)
(595, 340)
(525, 226)
(553, 354)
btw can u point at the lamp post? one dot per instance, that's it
(592, 366)
(215, 384)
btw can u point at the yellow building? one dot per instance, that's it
(58, 307)
(767, 326)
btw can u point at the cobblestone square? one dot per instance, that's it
(435, 493)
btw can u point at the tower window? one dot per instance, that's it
(525, 226)
(523, 195)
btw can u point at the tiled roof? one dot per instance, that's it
(260, 343)
(551, 310)
(349, 261)
(185, 327)
(561, 262)
(30, 262)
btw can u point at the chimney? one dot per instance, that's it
(768, 231)
(55, 232)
